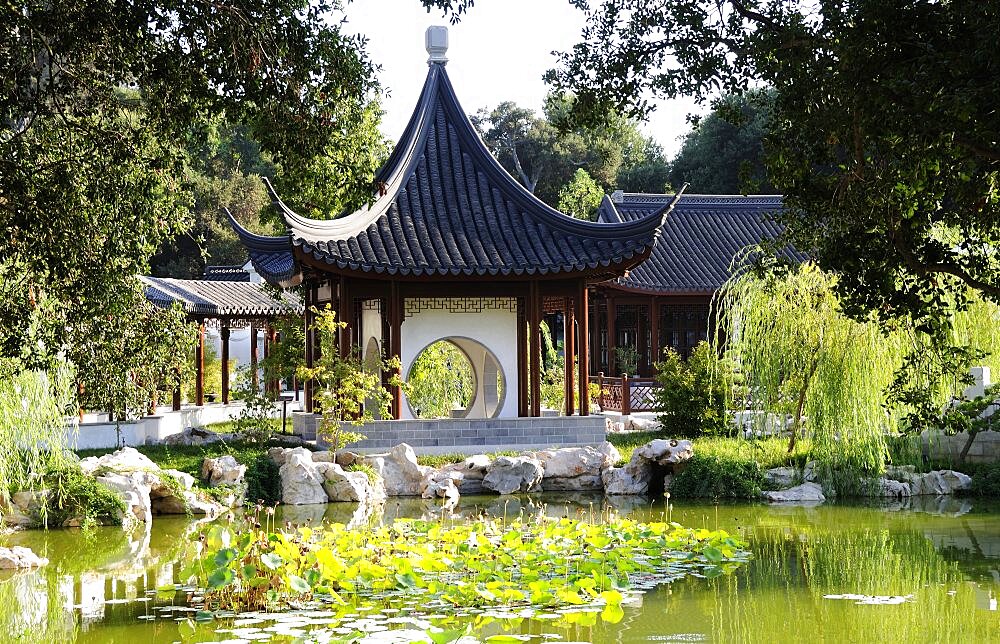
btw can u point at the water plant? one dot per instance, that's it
(548, 563)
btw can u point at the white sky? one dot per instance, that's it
(498, 52)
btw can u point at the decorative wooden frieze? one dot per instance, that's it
(414, 305)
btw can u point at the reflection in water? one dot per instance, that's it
(943, 553)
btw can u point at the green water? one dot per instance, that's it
(943, 556)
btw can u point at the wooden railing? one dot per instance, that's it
(625, 394)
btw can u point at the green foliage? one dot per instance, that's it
(724, 153)
(548, 563)
(285, 356)
(347, 390)
(986, 481)
(255, 424)
(693, 396)
(263, 481)
(882, 136)
(627, 359)
(73, 494)
(581, 196)
(439, 380)
(33, 432)
(717, 476)
(545, 155)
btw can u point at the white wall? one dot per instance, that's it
(494, 328)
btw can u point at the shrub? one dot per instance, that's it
(692, 399)
(254, 423)
(262, 480)
(717, 476)
(986, 480)
(74, 494)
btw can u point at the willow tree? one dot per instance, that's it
(802, 358)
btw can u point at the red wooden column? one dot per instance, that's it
(199, 365)
(396, 343)
(534, 346)
(308, 319)
(612, 314)
(522, 356)
(224, 334)
(254, 359)
(654, 333)
(583, 362)
(569, 352)
(344, 315)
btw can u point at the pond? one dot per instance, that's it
(927, 570)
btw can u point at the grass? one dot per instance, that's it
(261, 477)
(228, 427)
(440, 460)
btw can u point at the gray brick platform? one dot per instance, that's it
(985, 449)
(444, 435)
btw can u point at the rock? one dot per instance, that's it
(781, 477)
(629, 480)
(13, 516)
(939, 482)
(611, 453)
(572, 468)
(20, 557)
(324, 457)
(665, 452)
(29, 501)
(188, 503)
(891, 488)
(347, 459)
(642, 424)
(509, 474)
(399, 470)
(807, 492)
(197, 436)
(472, 469)
(223, 470)
(810, 472)
(134, 488)
(126, 459)
(341, 486)
(186, 480)
(441, 484)
(278, 455)
(301, 482)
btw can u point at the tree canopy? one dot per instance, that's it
(100, 107)
(884, 135)
(723, 154)
(544, 156)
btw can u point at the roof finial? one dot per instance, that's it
(436, 42)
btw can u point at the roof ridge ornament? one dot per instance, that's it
(436, 43)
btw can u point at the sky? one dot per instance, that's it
(498, 52)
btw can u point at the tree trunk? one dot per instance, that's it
(800, 404)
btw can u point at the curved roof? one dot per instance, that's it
(220, 299)
(699, 240)
(447, 209)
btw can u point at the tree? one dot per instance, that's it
(724, 152)
(884, 137)
(544, 154)
(580, 197)
(92, 101)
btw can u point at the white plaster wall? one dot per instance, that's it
(371, 327)
(239, 346)
(495, 329)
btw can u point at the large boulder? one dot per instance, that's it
(804, 493)
(197, 436)
(134, 488)
(301, 480)
(939, 482)
(343, 486)
(127, 459)
(891, 488)
(781, 477)
(572, 468)
(441, 484)
(509, 474)
(665, 452)
(400, 472)
(472, 469)
(223, 470)
(626, 481)
(20, 557)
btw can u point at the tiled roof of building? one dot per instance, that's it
(699, 240)
(446, 209)
(221, 299)
(226, 273)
